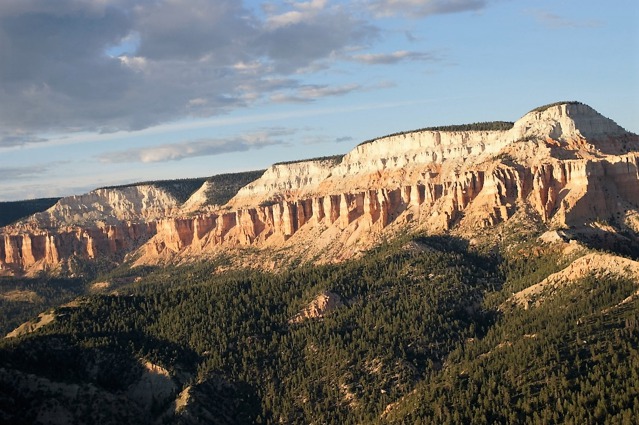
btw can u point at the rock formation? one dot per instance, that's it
(568, 164)
(49, 249)
(593, 264)
(320, 306)
(285, 181)
(105, 206)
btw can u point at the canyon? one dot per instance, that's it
(564, 165)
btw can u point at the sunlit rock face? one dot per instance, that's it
(566, 163)
(284, 182)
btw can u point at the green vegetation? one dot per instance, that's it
(225, 186)
(572, 360)
(421, 338)
(23, 298)
(477, 126)
(180, 189)
(550, 105)
(334, 160)
(13, 211)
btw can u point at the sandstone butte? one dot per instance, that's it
(565, 166)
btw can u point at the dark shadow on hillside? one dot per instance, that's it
(91, 377)
(621, 243)
(12, 211)
(455, 244)
(216, 400)
(483, 275)
(106, 359)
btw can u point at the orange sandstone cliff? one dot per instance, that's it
(566, 164)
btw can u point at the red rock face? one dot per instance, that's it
(568, 192)
(45, 251)
(566, 179)
(564, 192)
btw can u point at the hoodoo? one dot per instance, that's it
(564, 163)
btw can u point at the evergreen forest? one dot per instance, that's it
(12, 211)
(425, 334)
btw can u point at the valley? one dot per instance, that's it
(469, 274)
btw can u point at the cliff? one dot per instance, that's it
(102, 224)
(103, 206)
(51, 250)
(285, 181)
(565, 164)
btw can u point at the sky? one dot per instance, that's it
(105, 92)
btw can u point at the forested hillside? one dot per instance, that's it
(223, 186)
(15, 210)
(424, 333)
(476, 126)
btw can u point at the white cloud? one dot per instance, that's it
(420, 8)
(200, 147)
(83, 66)
(394, 57)
(551, 20)
(311, 93)
(109, 65)
(304, 11)
(135, 63)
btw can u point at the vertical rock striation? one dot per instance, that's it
(48, 249)
(567, 163)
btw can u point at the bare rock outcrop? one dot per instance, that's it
(198, 200)
(285, 181)
(106, 206)
(568, 163)
(593, 264)
(102, 223)
(568, 122)
(48, 249)
(154, 386)
(31, 326)
(320, 306)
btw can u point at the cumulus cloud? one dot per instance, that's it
(314, 33)
(106, 65)
(110, 65)
(420, 8)
(200, 147)
(301, 12)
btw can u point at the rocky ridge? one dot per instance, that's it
(319, 307)
(104, 207)
(593, 264)
(566, 163)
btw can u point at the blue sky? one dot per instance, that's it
(104, 92)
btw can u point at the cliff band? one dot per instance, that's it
(564, 165)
